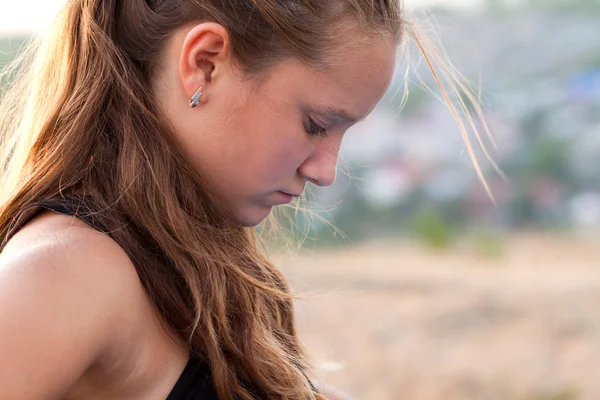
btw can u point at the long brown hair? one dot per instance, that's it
(81, 120)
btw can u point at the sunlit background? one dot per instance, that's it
(427, 290)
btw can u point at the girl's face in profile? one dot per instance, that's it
(256, 143)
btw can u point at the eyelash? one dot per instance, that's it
(314, 129)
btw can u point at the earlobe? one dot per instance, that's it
(204, 54)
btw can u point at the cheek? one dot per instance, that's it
(285, 144)
(284, 156)
(266, 141)
(274, 142)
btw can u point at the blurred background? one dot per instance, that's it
(425, 289)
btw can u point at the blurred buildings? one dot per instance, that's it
(539, 69)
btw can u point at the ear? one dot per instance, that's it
(204, 56)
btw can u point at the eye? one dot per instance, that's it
(314, 129)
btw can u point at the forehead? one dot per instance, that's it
(356, 77)
(359, 74)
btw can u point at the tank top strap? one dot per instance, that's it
(78, 207)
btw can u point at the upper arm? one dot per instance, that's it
(61, 302)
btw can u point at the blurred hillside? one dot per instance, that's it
(394, 321)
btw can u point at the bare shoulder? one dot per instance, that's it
(62, 254)
(66, 292)
(62, 239)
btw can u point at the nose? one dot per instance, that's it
(320, 167)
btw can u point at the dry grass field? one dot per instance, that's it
(395, 321)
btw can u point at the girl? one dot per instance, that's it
(141, 146)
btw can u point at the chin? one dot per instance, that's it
(254, 216)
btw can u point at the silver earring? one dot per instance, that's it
(194, 100)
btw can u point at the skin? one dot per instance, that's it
(75, 320)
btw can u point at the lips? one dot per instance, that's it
(290, 194)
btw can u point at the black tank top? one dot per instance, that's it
(195, 382)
